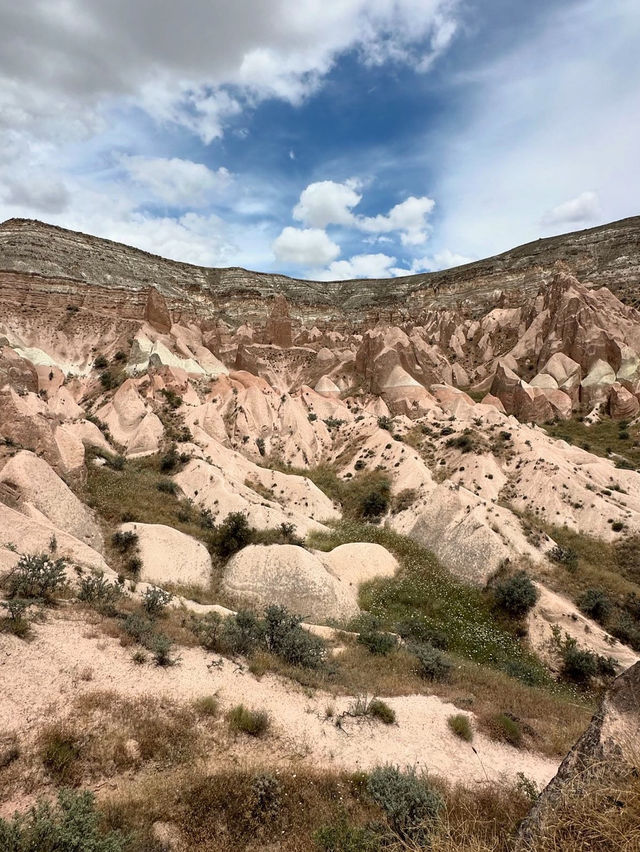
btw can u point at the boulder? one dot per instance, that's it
(170, 556)
(489, 399)
(504, 386)
(30, 485)
(623, 405)
(359, 562)
(290, 576)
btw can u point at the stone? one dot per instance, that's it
(290, 576)
(31, 485)
(17, 372)
(623, 405)
(170, 556)
(278, 327)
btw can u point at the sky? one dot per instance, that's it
(325, 139)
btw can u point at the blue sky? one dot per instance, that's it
(325, 138)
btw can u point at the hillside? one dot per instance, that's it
(262, 538)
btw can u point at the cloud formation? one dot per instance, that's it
(306, 247)
(179, 183)
(583, 209)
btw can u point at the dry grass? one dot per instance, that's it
(598, 813)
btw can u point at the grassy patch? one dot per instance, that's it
(461, 726)
(253, 722)
(607, 438)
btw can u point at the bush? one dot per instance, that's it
(16, 621)
(99, 592)
(161, 647)
(578, 665)
(155, 600)
(252, 722)
(167, 486)
(232, 535)
(596, 604)
(504, 727)
(564, 556)
(516, 595)
(208, 630)
(375, 503)
(385, 422)
(36, 576)
(242, 632)
(101, 363)
(138, 627)
(377, 642)
(461, 726)
(411, 807)
(433, 664)
(71, 825)
(381, 710)
(124, 540)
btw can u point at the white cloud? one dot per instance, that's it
(327, 203)
(180, 183)
(40, 192)
(358, 266)
(530, 133)
(583, 209)
(409, 218)
(305, 246)
(176, 65)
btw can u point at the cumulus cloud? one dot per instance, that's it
(581, 210)
(305, 247)
(358, 266)
(409, 218)
(327, 203)
(180, 183)
(39, 192)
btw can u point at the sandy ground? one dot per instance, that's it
(41, 678)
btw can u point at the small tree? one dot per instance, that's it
(516, 595)
(232, 535)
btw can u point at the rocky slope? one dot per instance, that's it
(135, 405)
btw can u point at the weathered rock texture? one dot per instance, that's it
(608, 748)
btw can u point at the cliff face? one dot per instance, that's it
(45, 262)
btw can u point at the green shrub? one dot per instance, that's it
(124, 540)
(155, 599)
(578, 664)
(16, 621)
(70, 825)
(100, 363)
(432, 663)
(36, 576)
(411, 807)
(99, 592)
(208, 630)
(242, 632)
(596, 604)
(420, 629)
(252, 722)
(516, 595)
(505, 728)
(167, 486)
(377, 642)
(381, 710)
(161, 647)
(461, 726)
(385, 422)
(232, 535)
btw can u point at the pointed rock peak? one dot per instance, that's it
(280, 309)
(156, 312)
